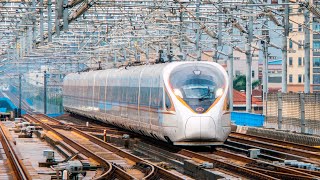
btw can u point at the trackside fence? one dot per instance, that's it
(299, 112)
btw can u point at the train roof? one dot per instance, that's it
(154, 68)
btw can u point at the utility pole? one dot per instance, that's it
(45, 92)
(265, 64)
(180, 29)
(58, 13)
(198, 32)
(220, 24)
(41, 23)
(33, 22)
(248, 64)
(285, 47)
(230, 72)
(65, 16)
(306, 50)
(20, 96)
(49, 21)
(215, 54)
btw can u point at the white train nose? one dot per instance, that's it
(201, 127)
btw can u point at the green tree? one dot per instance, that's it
(239, 83)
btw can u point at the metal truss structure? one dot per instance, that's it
(73, 35)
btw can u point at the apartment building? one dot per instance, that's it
(295, 61)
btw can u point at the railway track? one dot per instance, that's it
(18, 167)
(235, 164)
(278, 171)
(275, 141)
(109, 171)
(240, 170)
(308, 153)
(225, 166)
(147, 169)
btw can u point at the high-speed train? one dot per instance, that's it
(179, 102)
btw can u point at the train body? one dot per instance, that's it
(179, 102)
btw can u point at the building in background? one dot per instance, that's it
(274, 75)
(239, 102)
(316, 56)
(296, 60)
(240, 67)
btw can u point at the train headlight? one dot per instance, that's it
(177, 92)
(219, 92)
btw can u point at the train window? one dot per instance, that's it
(124, 95)
(154, 97)
(120, 91)
(160, 103)
(102, 93)
(198, 86)
(114, 94)
(144, 96)
(96, 92)
(109, 94)
(133, 94)
(130, 94)
(168, 102)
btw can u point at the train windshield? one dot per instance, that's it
(198, 85)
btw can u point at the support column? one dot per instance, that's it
(18, 46)
(23, 43)
(249, 68)
(215, 54)
(57, 18)
(285, 47)
(302, 105)
(65, 16)
(29, 39)
(180, 29)
(45, 92)
(49, 21)
(41, 22)
(20, 96)
(265, 68)
(220, 25)
(230, 72)
(307, 51)
(198, 32)
(33, 22)
(279, 110)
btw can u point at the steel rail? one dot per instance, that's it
(226, 165)
(276, 141)
(281, 175)
(111, 173)
(278, 171)
(276, 147)
(153, 174)
(95, 129)
(19, 169)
